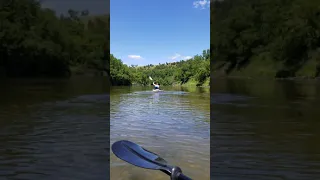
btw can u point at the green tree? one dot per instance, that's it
(36, 42)
(286, 31)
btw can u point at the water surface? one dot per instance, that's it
(174, 124)
(54, 129)
(265, 130)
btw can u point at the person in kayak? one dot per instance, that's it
(156, 85)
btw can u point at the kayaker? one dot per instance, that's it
(156, 85)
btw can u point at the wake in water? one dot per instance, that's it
(161, 92)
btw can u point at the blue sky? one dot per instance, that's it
(158, 31)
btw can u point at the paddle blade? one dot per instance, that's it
(138, 156)
(150, 78)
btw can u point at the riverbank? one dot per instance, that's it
(82, 70)
(194, 83)
(74, 72)
(266, 69)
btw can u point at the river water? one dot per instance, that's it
(54, 129)
(58, 129)
(174, 124)
(266, 130)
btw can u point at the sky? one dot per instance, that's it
(158, 31)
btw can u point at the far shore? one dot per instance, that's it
(267, 78)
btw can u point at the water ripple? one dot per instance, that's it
(169, 123)
(57, 140)
(266, 139)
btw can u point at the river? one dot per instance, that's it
(174, 124)
(54, 129)
(266, 130)
(58, 129)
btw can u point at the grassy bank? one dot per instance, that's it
(193, 82)
(267, 69)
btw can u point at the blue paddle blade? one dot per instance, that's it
(138, 156)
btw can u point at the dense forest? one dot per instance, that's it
(36, 42)
(195, 71)
(265, 38)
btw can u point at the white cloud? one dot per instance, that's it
(187, 57)
(201, 3)
(135, 57)
(175, 56)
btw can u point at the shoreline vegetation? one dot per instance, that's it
(36, 42)
(270, 39)
(191, 72)
(267, 39)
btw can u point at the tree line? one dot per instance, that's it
(274, 38)
(196, 69)
(35, 41)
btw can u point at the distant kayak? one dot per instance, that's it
(156, 90)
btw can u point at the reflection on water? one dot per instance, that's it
(172, 123)
(265, 130)
(54, 129)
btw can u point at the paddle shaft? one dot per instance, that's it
(183, 177)
(176, 174)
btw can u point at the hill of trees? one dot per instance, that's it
(266, 38)
(195, 71)
(36, 42)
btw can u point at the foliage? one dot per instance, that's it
(287, 31)
(197, 68)
(119, 72)
(36, 42)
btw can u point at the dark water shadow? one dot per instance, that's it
(272, 134)
(54, 129)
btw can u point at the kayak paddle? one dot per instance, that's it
(138, 156)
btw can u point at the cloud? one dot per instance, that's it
(187, 57)
(177, 56)
(135, 57)
(201, 3)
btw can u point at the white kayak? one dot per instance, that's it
(156, 90)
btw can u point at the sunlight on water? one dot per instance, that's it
(173, 124)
